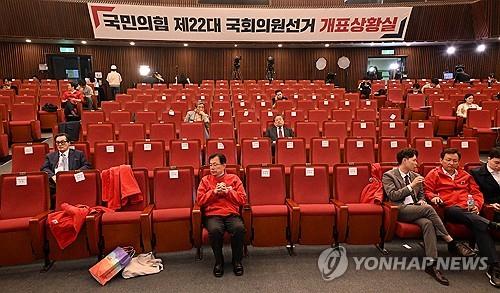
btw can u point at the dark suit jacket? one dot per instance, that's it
(487, 184)
(76, 161)
(272, 132)
(395, 186)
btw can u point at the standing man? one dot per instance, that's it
(63, 159)
(488, 179)
(457, 191)
(404, 188)
(114, 80)
(221, 195)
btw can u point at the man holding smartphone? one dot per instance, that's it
(404, 187)
(221, 195)
(450, 187)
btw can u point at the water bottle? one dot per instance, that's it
(470, 202)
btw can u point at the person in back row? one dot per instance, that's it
(404, 187)
(456, 190)
(469, 104)
(70, 100)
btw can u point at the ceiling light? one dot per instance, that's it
(451, 50)
(481, 48)
(28, 41)
(235, 45)
(84, 42)
(280, 45)
(132, 43)
(327, 45)
(185, 45)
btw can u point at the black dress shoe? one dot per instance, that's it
(437, 275)
(461, 249)
(218, 270)
(238, 269)
(493, 274)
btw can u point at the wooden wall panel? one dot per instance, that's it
(21, 61)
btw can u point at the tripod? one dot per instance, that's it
(236, 75)
(270, 73)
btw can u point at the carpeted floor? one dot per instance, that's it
(266, 270)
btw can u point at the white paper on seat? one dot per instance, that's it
(465, 144)
(21, 180)
(325, 143)
(110, 149)
(347, 103)
(147, 146)
(79, 176)
(221, 114)
(368, 103)
(173, 174)
(242, 104)
(314, 97)
(265, 173)
(392, 125)
(428, 143)
(293, 113)
(289, 144)
(392, 117)
(255, 144)
(184, 146)
(360, 144)
(220, 146)
(263, 104)
(295, 96)
(353, 171)
(269, 114)
(362, 125)
(309, 172)
(325, 102)
(28, 150)
(245, 114)
(421, 125)
(394, 144)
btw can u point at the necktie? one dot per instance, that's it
(64, 161)
(282, 132)
(407, 182)
(279, 132)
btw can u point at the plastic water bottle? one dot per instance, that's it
(470, 202)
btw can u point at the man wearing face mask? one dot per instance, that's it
(457, 191)
(488, 179)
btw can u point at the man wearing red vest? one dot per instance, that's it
(221, 195)
(457, 191)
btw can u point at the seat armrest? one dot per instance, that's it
(391, 211)
(93, 229)
(294, 220)
(488, 212)
(147, 227)
(246, 214)
(197, 228)
(342, 220)
(37, 233)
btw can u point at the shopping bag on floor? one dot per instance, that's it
(143, 264)
(112, 264)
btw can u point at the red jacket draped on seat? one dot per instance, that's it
(119, 187)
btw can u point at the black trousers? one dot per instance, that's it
(217, 226)
(479, 226)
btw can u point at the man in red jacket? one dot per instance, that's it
(221, 195)
(452, 187)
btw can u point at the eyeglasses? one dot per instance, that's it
(61, 142)
(214, 165)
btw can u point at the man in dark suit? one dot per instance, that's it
(488, 179)
(278, 129)
(63, 159)
(404, 188)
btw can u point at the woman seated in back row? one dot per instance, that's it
(469, 104)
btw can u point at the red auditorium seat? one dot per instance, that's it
(445, 123)
(419, 129)
(266, 193)
(479, 125)
(28, 157)
(291, 117)
(110, 154)
(91, 117)
(130, 225)
(24, 205)
(149, 155)
(364, 129)
(221, 130)
(364, 114)
(109, 106)
(343, 115)
(468, 148)
(326, 151)
(310, 207)
(223, 146)
(359, 150)
(193, 130)
(392, 129)
(99, 132)
(24, 126)
(290, 151)
(186, 152)
(50, 119)
(146, 118)
(389, 147)
(357, 222)
(429, 149)
(164, 132)
(85, 192)
(255, 151)
(130, 132)
(390, 114)
(174, 190)
(307, 131)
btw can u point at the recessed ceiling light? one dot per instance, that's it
(185, 45)
(28, 41)
(132, 43)
(481, 48)
(280, 45)
(327, 45)
(235, 45)
(84, 42)
(372, 44)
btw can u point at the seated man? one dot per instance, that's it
(488, 179)
(404, 187)
(63, 159)
(221, 195)
(457, 191)
(278, 130)
(278, 95)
